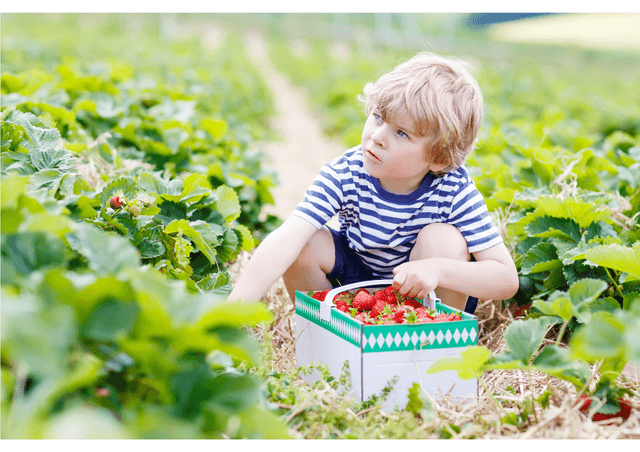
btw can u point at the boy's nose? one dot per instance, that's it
(379, 136)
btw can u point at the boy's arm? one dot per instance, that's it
(272, 258)
(492, 276)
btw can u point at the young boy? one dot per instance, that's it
(407, 208)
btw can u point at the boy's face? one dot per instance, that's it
(394, 153)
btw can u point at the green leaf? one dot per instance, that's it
(546, 226)
(170, 211)
(618, 257)
(123, 186)
(110, 320)
(38, 137)
(419, 403)
(471, 363)
(576, 209)
(196, 386)
(200, 234)
(580, 251)
(230, 246)
(37, 335)
(58, 159)
(557, 305)
(27, 252)
(558, 362)
(586, 290)
(523, 338)
(106, 253)
(630, 299)
(608, 304)
(228, 203)
(542, 257)
(234, 314)
(259, 423)
(217, 128)
(602, 337)
(247, 242)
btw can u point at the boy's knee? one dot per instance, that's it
(319, 251)
(440, 240)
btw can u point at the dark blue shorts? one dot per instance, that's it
(349, 268)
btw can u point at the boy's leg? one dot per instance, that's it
(315, 262)
(442, 240)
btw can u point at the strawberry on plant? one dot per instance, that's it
(116, 202)
(134, 210)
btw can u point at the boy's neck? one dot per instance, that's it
(401, 186)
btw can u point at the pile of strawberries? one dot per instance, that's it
(384, 307)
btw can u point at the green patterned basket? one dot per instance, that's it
(384, 338)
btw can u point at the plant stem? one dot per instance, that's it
(615, 283)
(561, 333)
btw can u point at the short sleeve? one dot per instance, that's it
(470, 215)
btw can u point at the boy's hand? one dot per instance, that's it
(416, 279)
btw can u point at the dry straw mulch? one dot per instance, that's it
(507, 389)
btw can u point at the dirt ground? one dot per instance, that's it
(303, 149)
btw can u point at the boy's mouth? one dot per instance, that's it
(373, 156)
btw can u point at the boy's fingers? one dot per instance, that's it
(399, 280)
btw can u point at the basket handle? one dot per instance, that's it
(327, 304)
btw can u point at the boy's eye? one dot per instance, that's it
(377, 116)
(402, 134)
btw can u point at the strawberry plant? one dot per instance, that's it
(114, 256)
(132, 112)
(88, 330)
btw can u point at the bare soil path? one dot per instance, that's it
(303, 149)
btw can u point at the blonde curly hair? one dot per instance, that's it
(441, 96)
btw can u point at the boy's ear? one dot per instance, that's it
(436, 167)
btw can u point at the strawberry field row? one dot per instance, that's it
(114, 313)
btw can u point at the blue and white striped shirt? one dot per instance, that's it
(381, 226)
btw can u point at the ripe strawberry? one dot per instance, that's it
(413, 303)
(364, 318)
(364, 301)
(341, 305)
(320, 296)
(441, 318)
(378, 308)
(423, 314)
(379, 295)
(116, 202)
(399, 315)
(346, 296)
